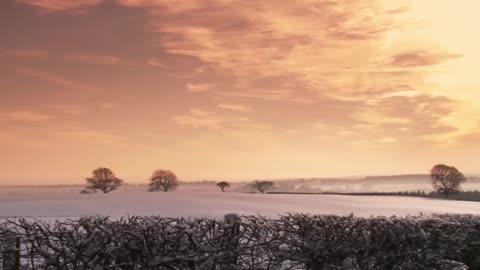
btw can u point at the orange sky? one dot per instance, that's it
(230, 89)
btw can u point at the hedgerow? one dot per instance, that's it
(295, 241)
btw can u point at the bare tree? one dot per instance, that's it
(223, 185)
(446, 179)
(163, 180)
(103, 179)
(263, 186)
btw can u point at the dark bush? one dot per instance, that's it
(290, 242)
(473, 195)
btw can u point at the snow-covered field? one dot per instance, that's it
(64, 202)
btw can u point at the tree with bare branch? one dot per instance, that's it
(263, 186)
(164, 180)
(103, 179)
(223, 185)
(446, 179)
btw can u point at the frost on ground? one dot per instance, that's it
(29, 203)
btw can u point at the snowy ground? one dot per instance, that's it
(55, 204)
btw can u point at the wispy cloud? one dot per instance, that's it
(26, 53)
(198, 118)
(236, 107)
(421, 58)
(69, 109)
(25, 116)
(58, 5)
(91, 58)
(387, 140)
(88, 136)
(54, 78)
(264, 39)
(199, 87)
(266, 94)
(96, 59)
(356, 53)
(307, 74)
(156, 63)
(108, 105)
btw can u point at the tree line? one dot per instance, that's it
(104, 180)
(445, 180)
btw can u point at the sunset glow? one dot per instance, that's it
(230, 89)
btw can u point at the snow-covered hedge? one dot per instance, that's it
(251, 242)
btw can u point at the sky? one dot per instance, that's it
(230, 89)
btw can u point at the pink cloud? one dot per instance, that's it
(199, 87)
(57, 5)
(111, 60)
(92, 58)
(54, 78)
(421, 58)
(107, 105)
(155, 63)
(25, 116)
(236, 107)
(211, 120)
(26, 53)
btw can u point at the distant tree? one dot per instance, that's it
(446, 179)
(163, 180)
(263, 186)
(103, 179)
(223, 185)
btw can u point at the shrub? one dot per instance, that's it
(295, 241)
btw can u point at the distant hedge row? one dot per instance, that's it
(471, 195)
(252, 242)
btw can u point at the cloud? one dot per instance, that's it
(375, 117)
(54, 78)
(92, 58)
(199, 87)
(200, 112)
(322, 126)
(111, 60)
(198, 118)
(345, 133)
(25, 116)
(59, 5)
(108, 105)
(266, 38)
(89, 136)
(26, 53)
(408, 117)
(340, 54)
(352, 57)
(421, 58)
(236, 107)
(387, 140)
(266, 94)
(155, 63)
(69, 109)
(244, 123)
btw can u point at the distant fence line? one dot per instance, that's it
(295, 241)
